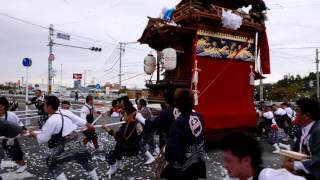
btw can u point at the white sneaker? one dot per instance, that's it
(150, 158)
(21, 169)
(120, 164)
(100, 148)
(277, 148)
(113, 169)
(156, 151)
(93, 175)
(90, 145)
(62, 176)
(285, 146)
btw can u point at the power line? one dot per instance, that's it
(113, 65)
(111, 37)
(112, 55)
(288, 55)
(133, 77)
(293, 48)
(23, 21)
(43, 27)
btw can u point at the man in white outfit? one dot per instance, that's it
(59, 132)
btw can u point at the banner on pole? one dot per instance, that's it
(77, 76)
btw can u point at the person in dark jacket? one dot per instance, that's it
(127, 139)
(12, 145)
(13, 104)
(162, 123)
(308, 139)
(38, 101)
(184, 149)
(9, 130)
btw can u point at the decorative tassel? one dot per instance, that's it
(251, 75)
(195, 80)
(196, 97)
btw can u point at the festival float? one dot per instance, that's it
(217, 48)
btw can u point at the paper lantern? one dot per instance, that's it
(169, 59)
(149, 64)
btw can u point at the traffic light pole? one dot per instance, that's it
(51, 36)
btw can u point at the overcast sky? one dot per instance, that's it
(293, 28)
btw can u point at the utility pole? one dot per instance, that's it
(158, 65)
(261, 90)
(51, 36)
(84, 81)
(120, 64)
(61, 77)
(317, 71)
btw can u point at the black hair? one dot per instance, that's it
(311, 106)
(163, 105)
(168, 97)
(89, 98)
(4, 101)
(242, 145)
(128, 108)
(52, 101)
(66, 102)
(125, 99)
(143, 102)
(118, 100)
(114, 103)
(184, 100)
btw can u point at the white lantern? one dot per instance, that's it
(169, 59)
(149, 64)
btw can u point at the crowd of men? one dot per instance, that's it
(172, 140)
(294, 127)
(179, 127)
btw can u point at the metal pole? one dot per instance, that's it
(158, 65)
(317, 71)
(61, 77)
(27, 94)
(51, 36)
(261, 90)
(84, 80)
(120, 64)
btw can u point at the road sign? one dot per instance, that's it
(77, 76)
(51, 57)
(63, 36)
(98, 86)
(26, 62)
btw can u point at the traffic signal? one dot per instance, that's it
(95, 49)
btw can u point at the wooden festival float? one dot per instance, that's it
(215, 48)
